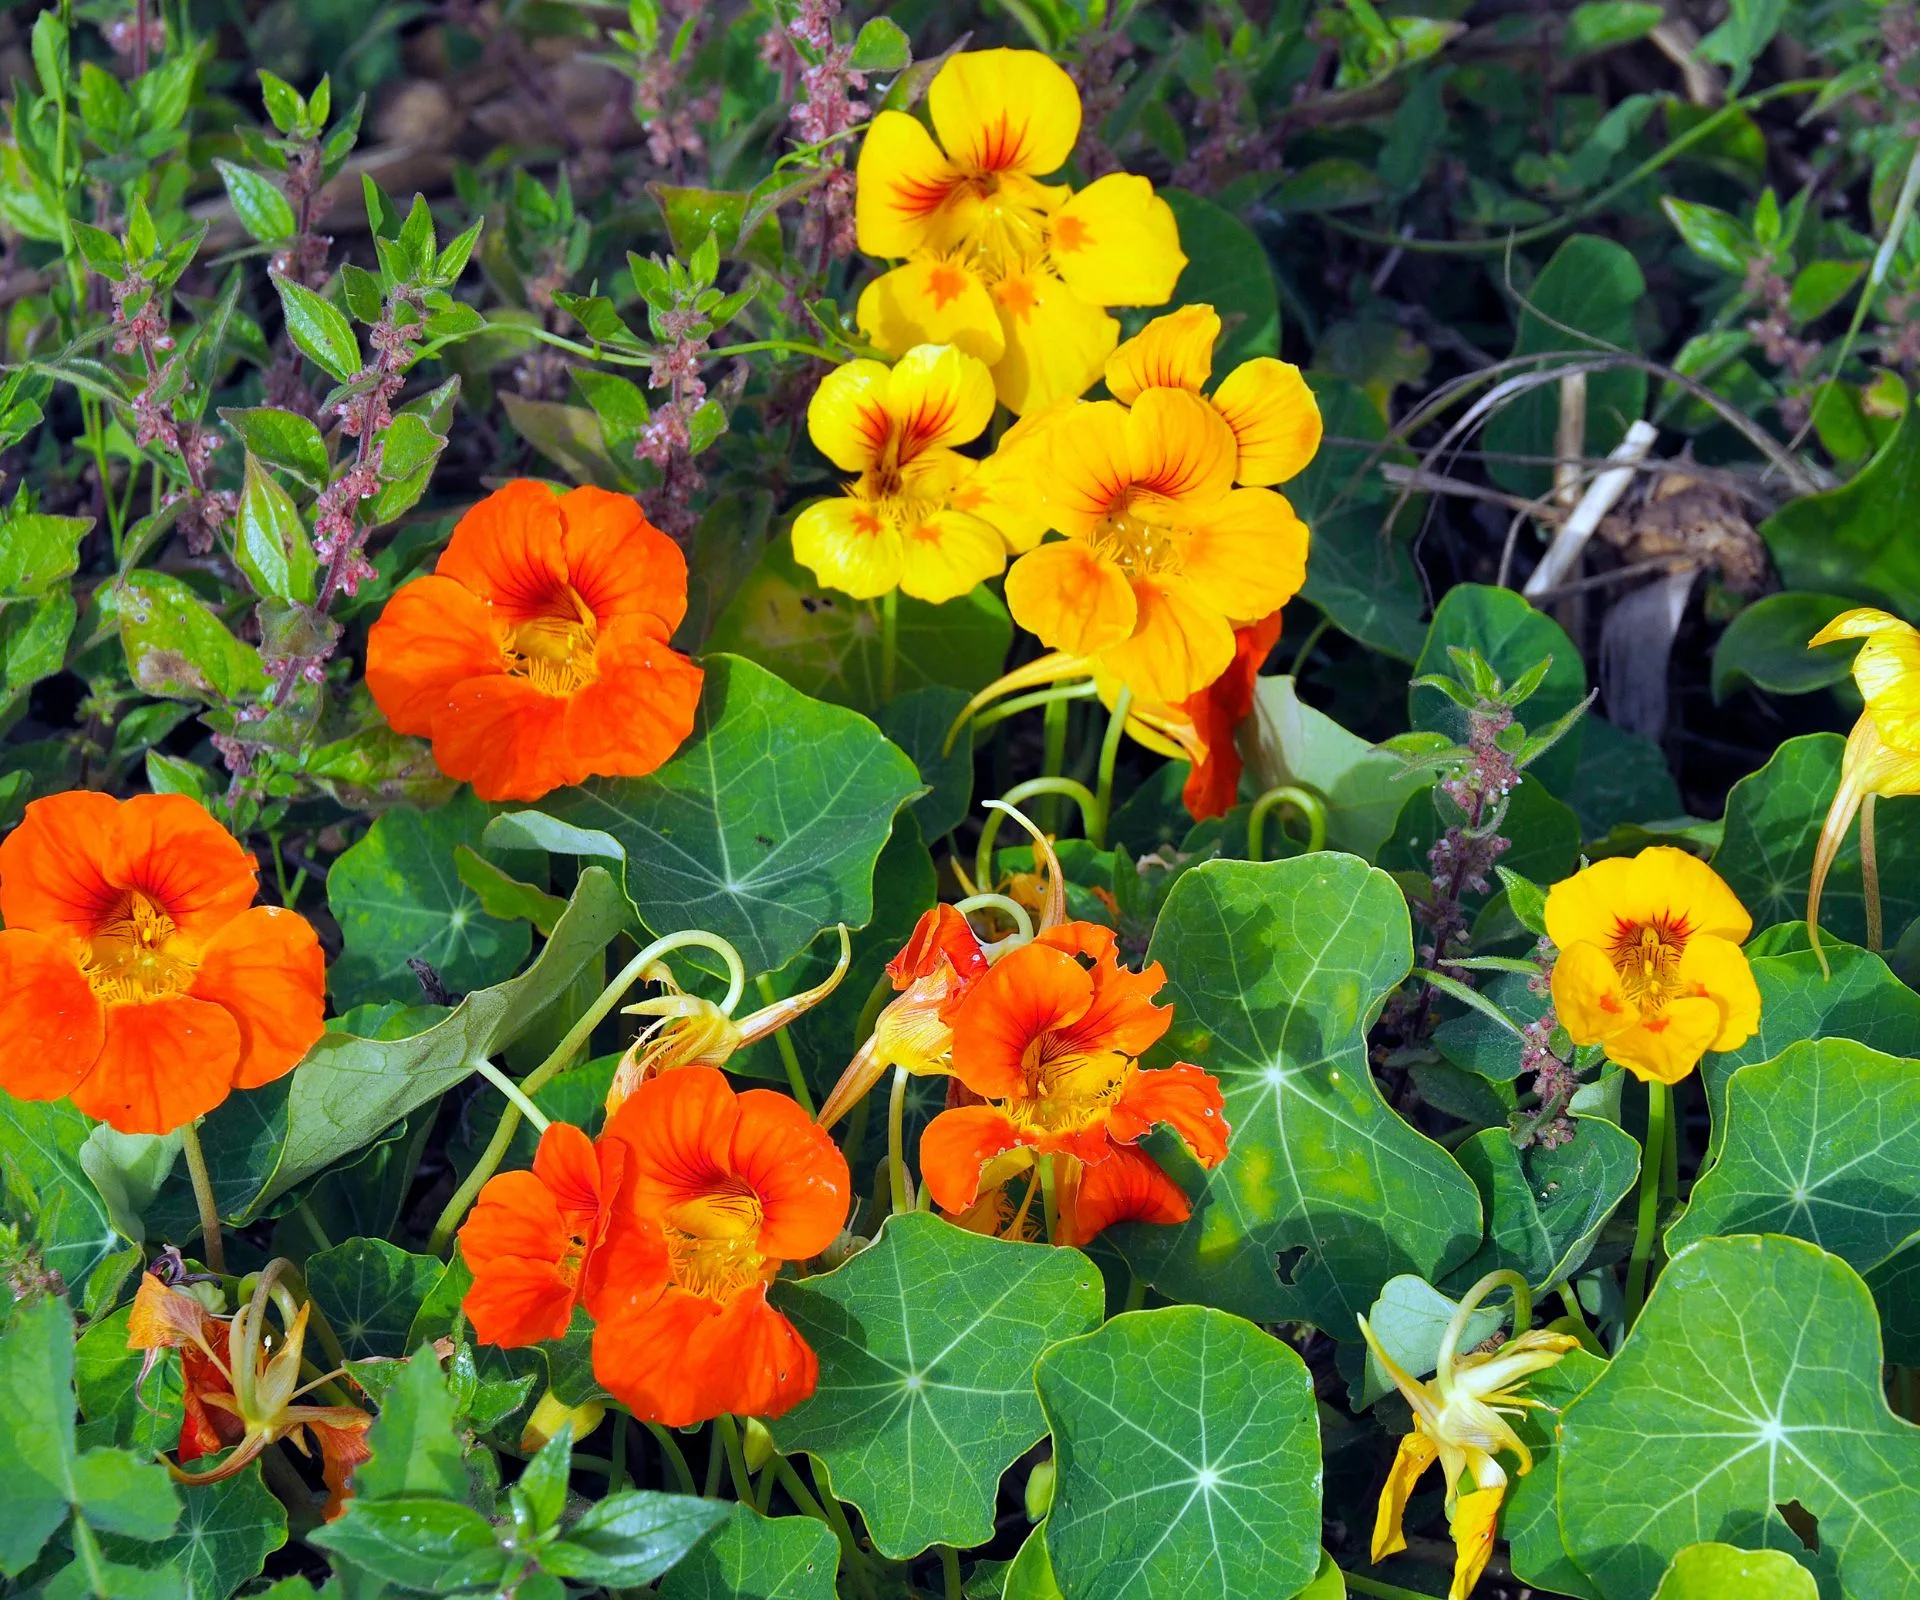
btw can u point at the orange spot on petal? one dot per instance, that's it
(945, 285)
(1070, 234)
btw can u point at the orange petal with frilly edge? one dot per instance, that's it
(619, 563)
(505, 737)
(795, 1170)
(162, 1064)
(631, 719)
(510, 550)
(433, 635)
(678, 1130)
(1128, 1186)
(1274, 418)
(1183, 1097)
(1073, 598)
(683, 1359)
(51, 1024)
(266, 970)
(956, 1147)
(1029, 992)
(941, 934)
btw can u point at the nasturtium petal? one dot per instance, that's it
(1275, 971)
(1751, 1381)
(927, 1341)
(764, 827)
(1187, 1455)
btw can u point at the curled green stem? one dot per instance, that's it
(1075, 791)
(1470, 1302)
(1305, 802)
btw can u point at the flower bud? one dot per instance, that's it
(549, 1415)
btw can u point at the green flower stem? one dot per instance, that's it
(1053, 762)
(1870, 854)
(570, 1046)
(889, 642)
(617, 1466)
(950, 1571)
(1303, 801)
(1576, 1314)
(214, 1243)
(899, 1191)
(675, 1457)
(789, 1057)
(1077, 792)
(729, 1432)
(1060, 694)
(763, 1488)
(716, 1458)
(1652, 1161)
(1011, 909)
(1109, 754)
(1470, 1303)
(1382, 1591)
(515, 1096)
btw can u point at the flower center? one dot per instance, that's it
(1004, 236)
(1647, 957)
(713, 1242)
(554, 651)
(1067, 1087)
(1138, 547)
(128, 959)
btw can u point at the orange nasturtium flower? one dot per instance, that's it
(1457, 1421)
(137, 977)
(1049, 1041)
(1009, 269)
(1883, 750)
(536, 654)
(242, 1384)
(1163, 557)
(1650, 962)
(719, 1189)
(900, 524)
(533, 1239)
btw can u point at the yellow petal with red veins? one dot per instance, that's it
(847, 417)
(1004, 111)
(1273, 416)
(847, 545)
(1718, 970)
(943, 556)
(1117, 244)
(1178, 647)
(1661, 883)
(903, 184)
(1588, 996)
(1085, 470)
(1416, 1453)
(931, 302)
(1179, 455)
(937, 397)
(1170, 352)
(1247, 555)
(1056, 342)
(1070, 597)
(1476, 1517)
(1667, 1047)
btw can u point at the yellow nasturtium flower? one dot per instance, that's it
(1163, 556)
(1457, 1421)
(1010, 269)
(901, 523)
(1883, 750)
(1650, 962)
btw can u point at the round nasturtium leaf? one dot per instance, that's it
(927, 1341)
(1751, 1383)
(1188, 1460)
(1275, 971)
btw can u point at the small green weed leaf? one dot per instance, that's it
(397, 894)
(37, 551)
(633, 1538)
(284, 440)
(324, 335)
(1822, 1143)
(417, 1542)
(927, 1341)
(177, 648)
(1854, 539)
(828, 645)
(415, 1443)
(1361, 574)
(1512, 638)
(1766, 646)
(751, 1557)
(1545, 1208)
(270, 543)
(1751, 1380)
(371, 1292)
(1583, 303)
(33, 644)
(1188, 1457)
(1717, 1571)
(225, 1534)
(1275, 971)
(1773, 822)
(763, 827)
(258, 203)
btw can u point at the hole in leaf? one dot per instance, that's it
(1289, 1263)
(1805, 1525)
